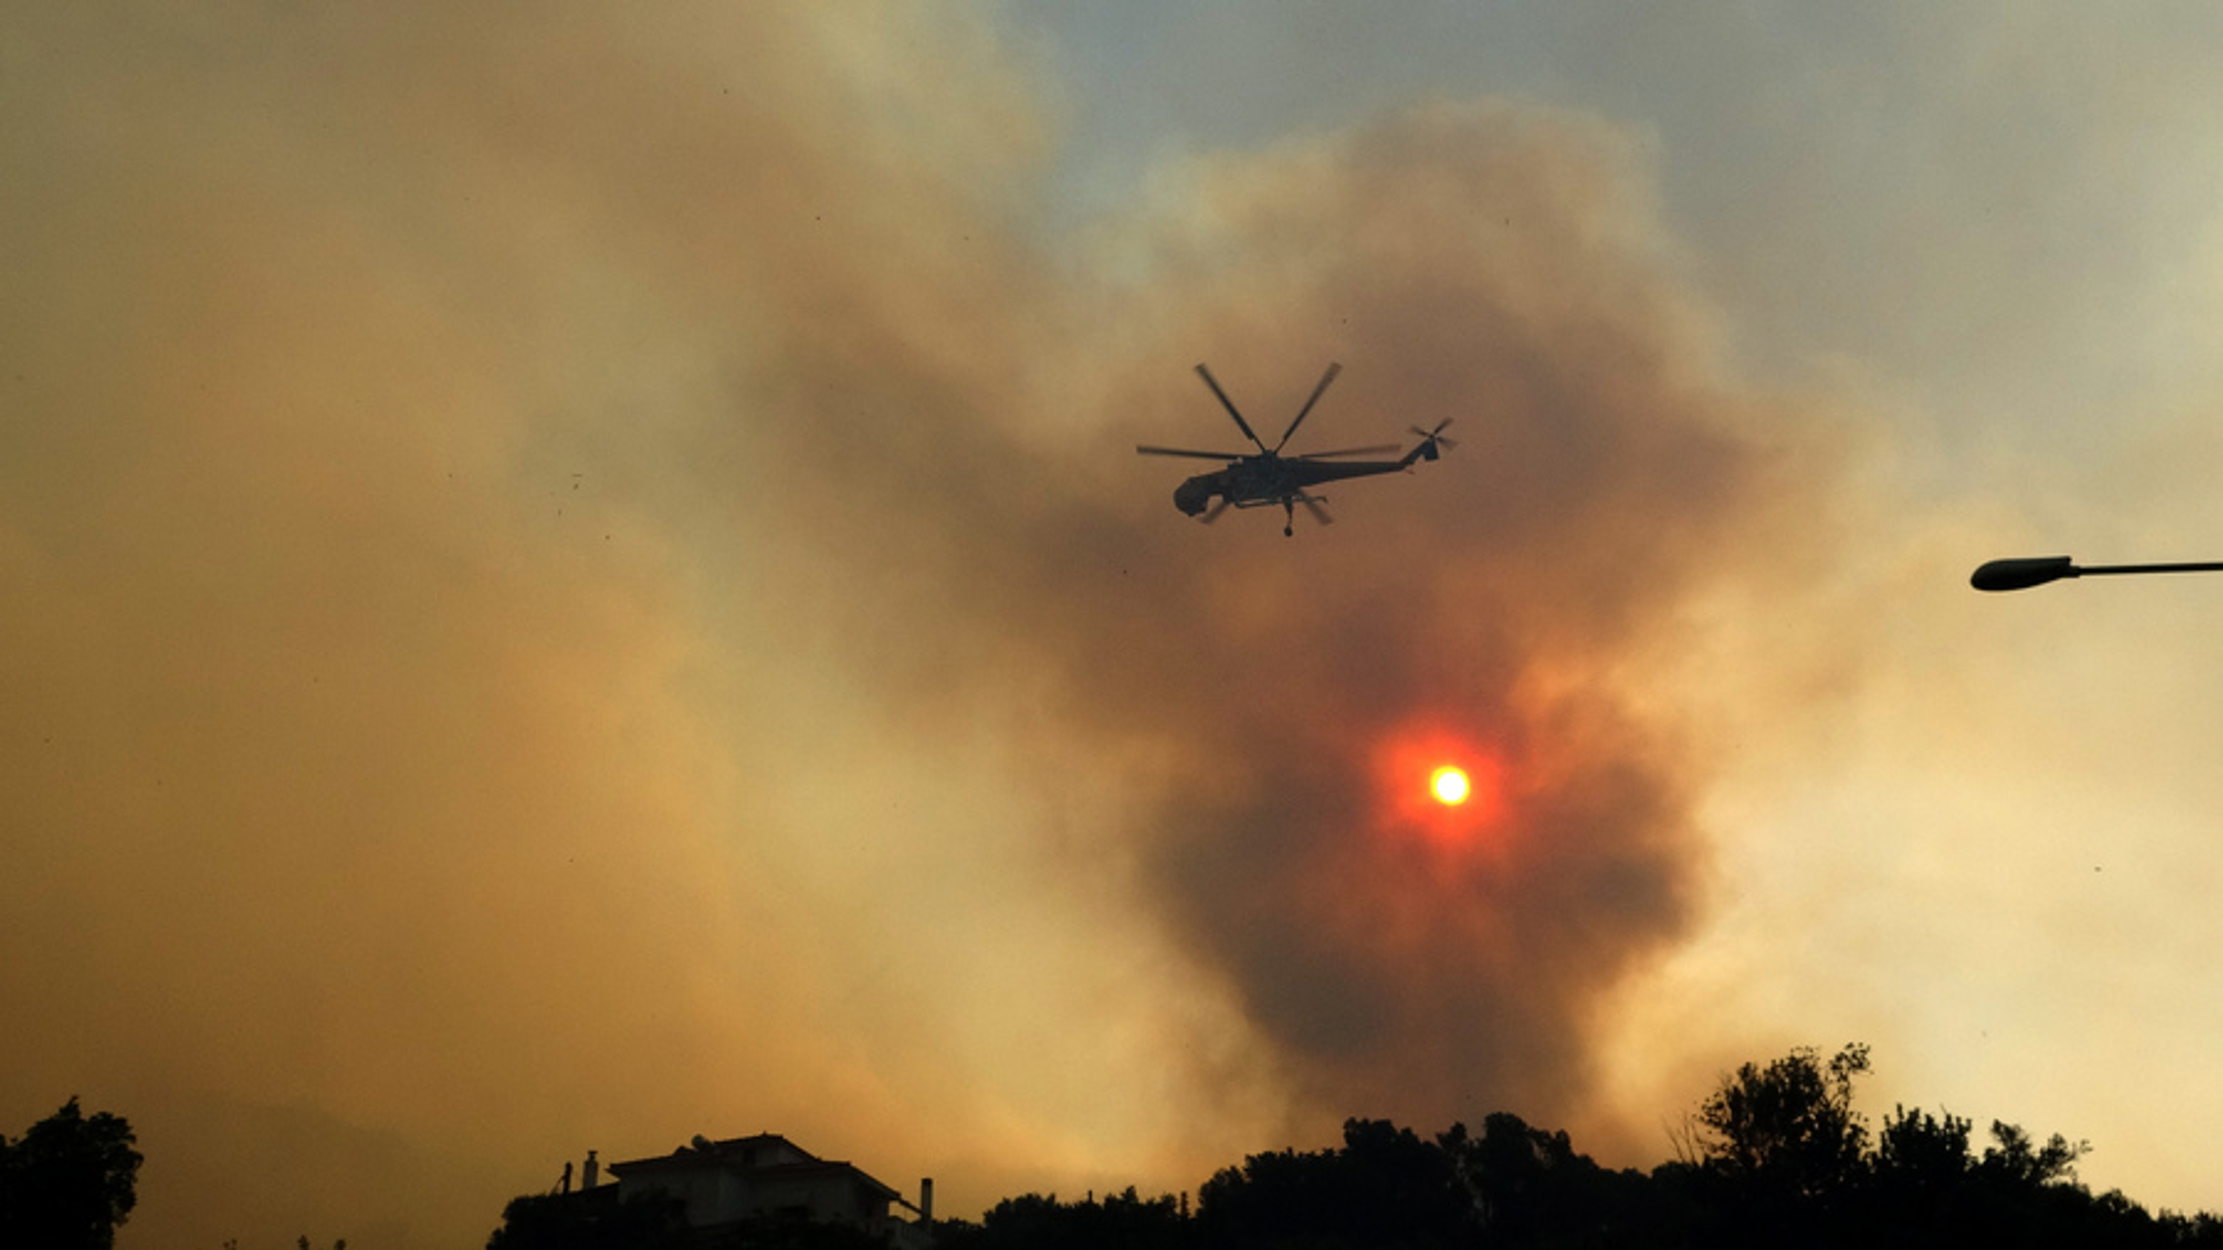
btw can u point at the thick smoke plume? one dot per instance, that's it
(574, 579)
(1481, 263)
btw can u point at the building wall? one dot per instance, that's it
(717, 1194)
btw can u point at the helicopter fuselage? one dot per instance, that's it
(1272, 480)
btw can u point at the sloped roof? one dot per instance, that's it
(728, 1155)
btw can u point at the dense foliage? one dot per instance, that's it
(1776, 1157)
(594, 1220)
(68, 1182)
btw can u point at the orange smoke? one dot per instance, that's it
(559, 565)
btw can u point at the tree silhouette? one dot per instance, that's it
(1789, 1126)
(1787, 1163)
(1124, 1221)
(1385, 1188)
(590, 1220)
(68, 1182)
(1778, 1158)
(1529, 1187)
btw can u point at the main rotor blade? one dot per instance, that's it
(1183, 451)
(1329, 376)
(1379, 449)
(1319, 513)
(1229, 404)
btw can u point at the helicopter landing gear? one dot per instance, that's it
(1311, 503)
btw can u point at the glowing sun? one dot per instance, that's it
(1449, 785)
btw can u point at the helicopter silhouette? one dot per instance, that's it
(1268, 477)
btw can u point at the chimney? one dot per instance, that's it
(588, 1173)
(926, 1200)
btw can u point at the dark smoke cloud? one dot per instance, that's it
(1488, 263)
(577, 579)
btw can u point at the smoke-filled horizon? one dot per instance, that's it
(579, 579)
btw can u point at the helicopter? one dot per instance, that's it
(1268, 478)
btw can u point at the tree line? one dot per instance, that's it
(1775, 1157)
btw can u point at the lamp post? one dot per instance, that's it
(2023, 572)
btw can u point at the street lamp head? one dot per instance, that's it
(2023, 573)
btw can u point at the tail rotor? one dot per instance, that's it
(1432, 442)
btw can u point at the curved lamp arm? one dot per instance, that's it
(2023, 572)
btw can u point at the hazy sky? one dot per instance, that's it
(577, 578)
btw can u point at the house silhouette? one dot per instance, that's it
(720, 1183)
